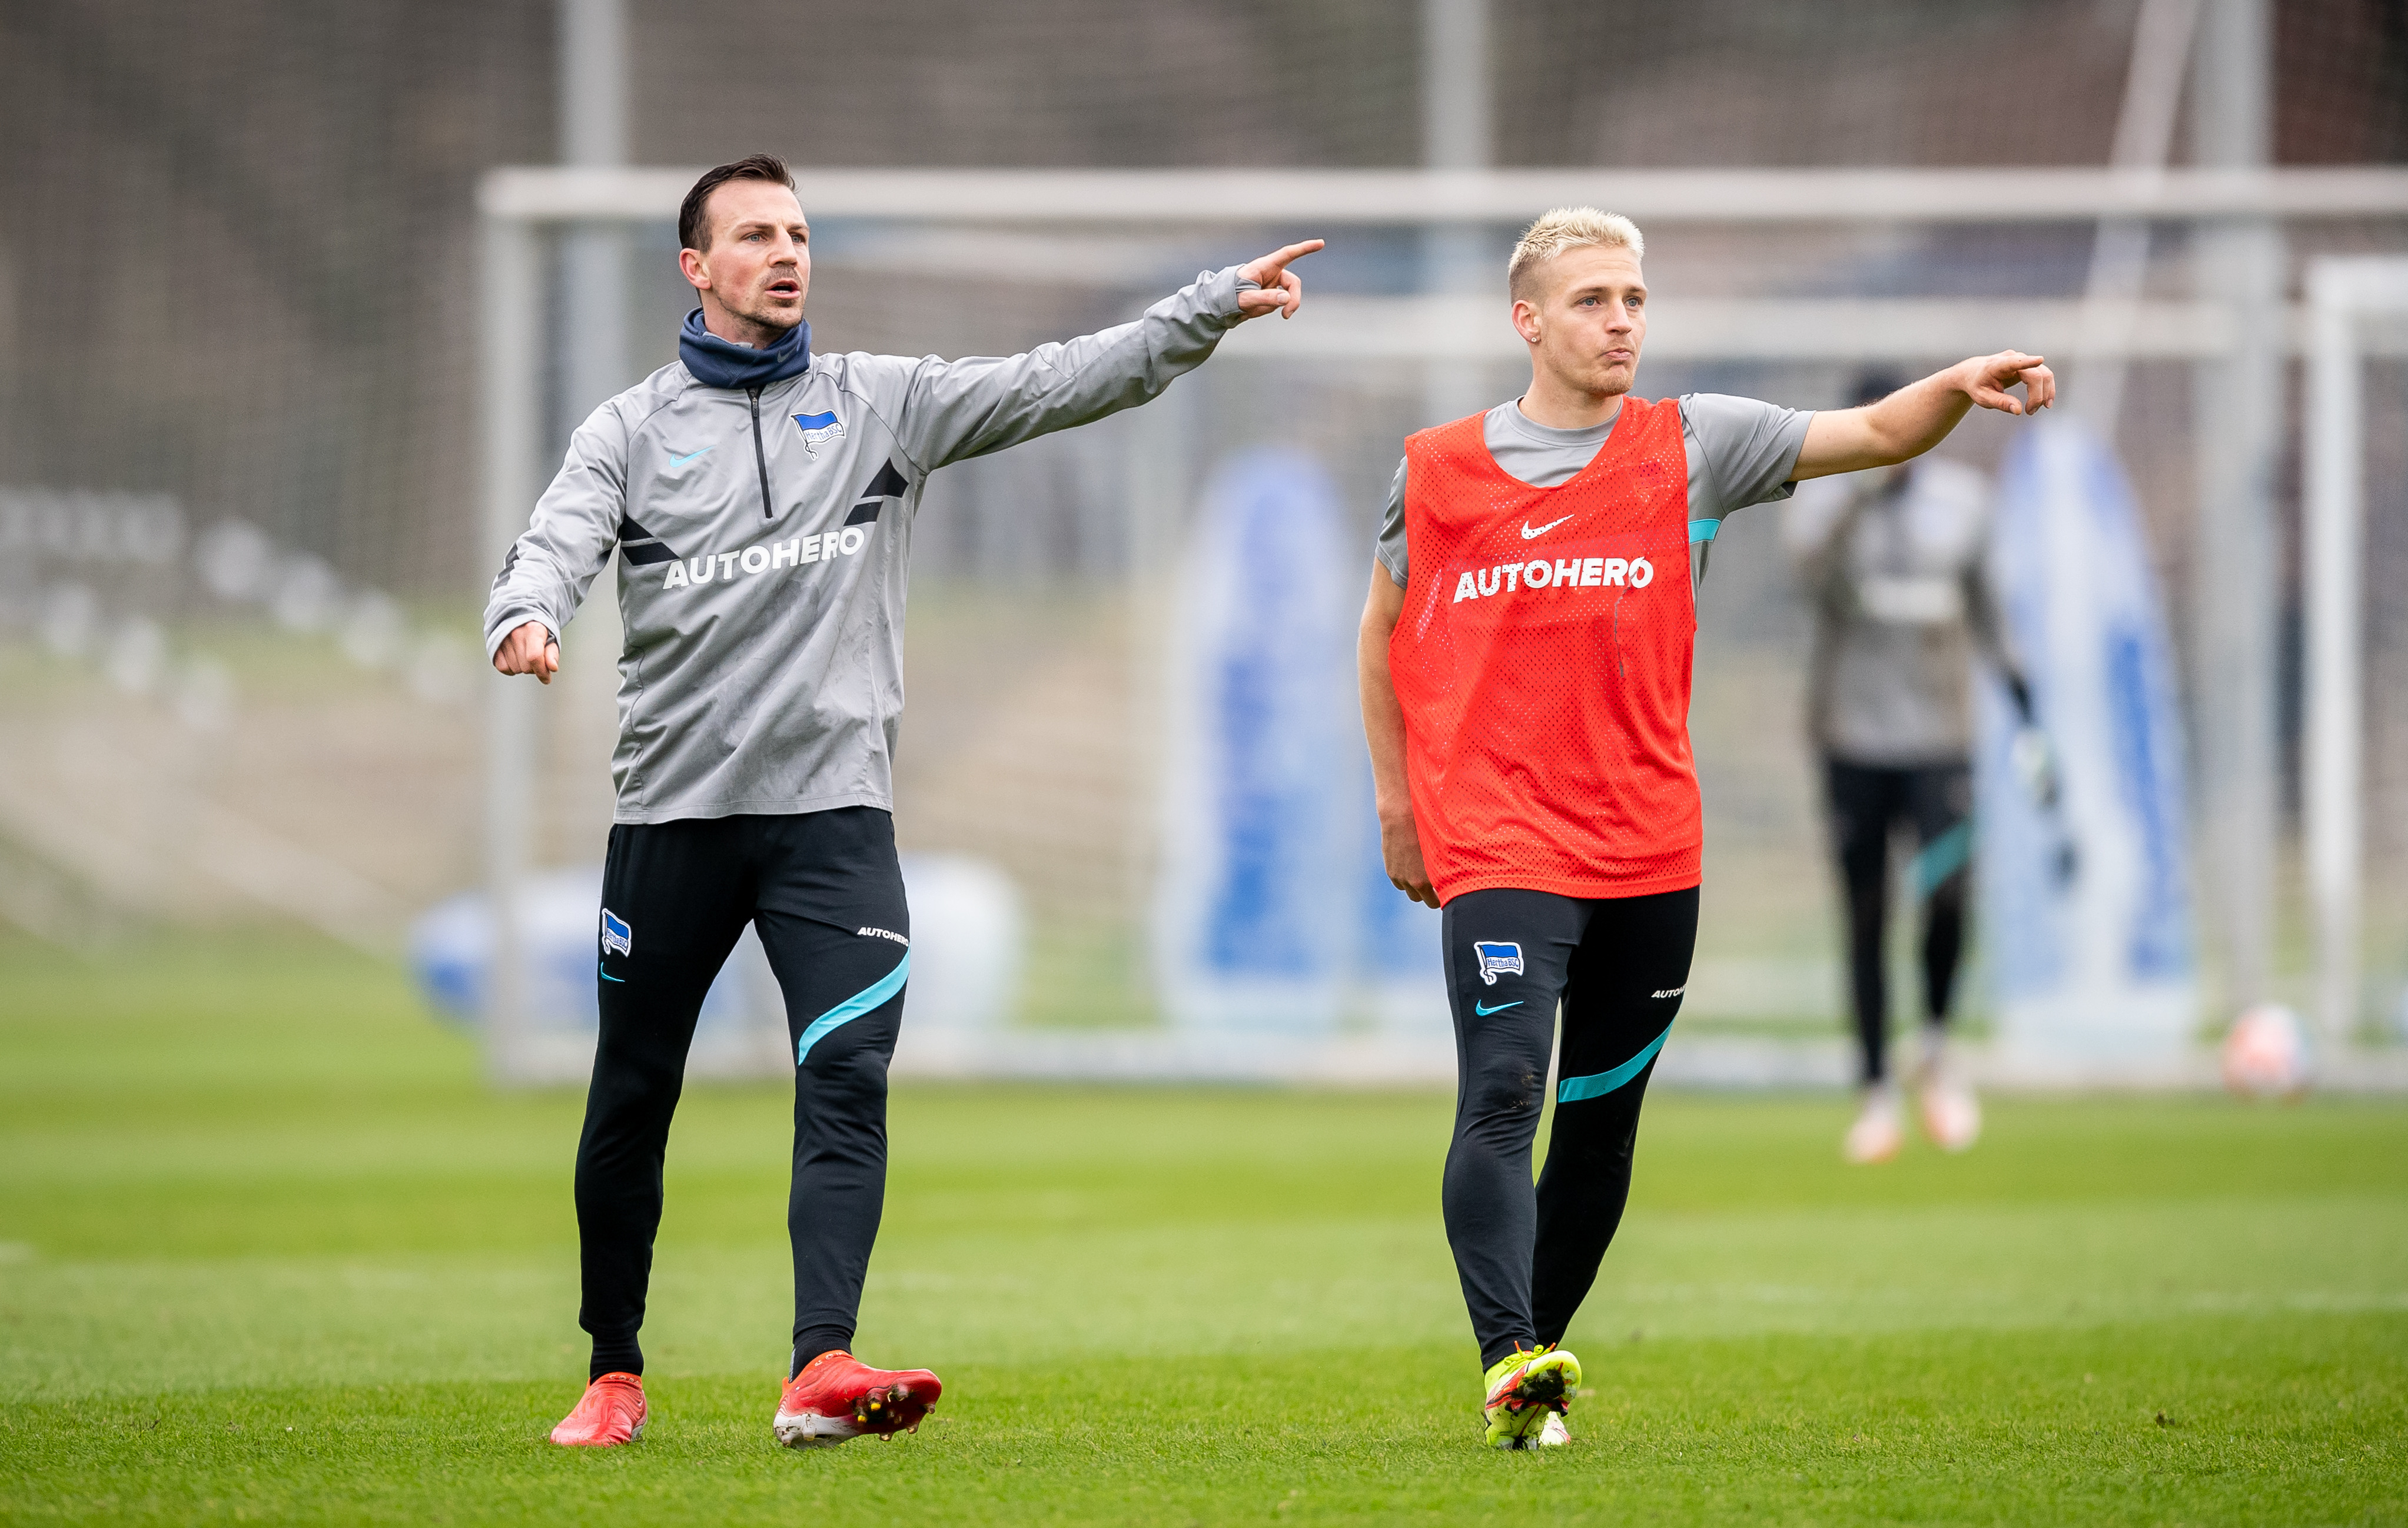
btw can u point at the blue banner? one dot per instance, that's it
(1271, 914)
(2091, 953)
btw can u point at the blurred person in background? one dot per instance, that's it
(1893, 561)
(760, 498)
(1525, 658)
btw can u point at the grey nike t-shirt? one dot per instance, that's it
(1741, 453)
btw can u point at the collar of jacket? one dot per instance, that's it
(715, 363)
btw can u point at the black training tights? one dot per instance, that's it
(1867, 801)
(1526, 1256)
(826, 892)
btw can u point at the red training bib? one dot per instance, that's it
(1542, 663)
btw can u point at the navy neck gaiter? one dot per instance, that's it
(715, 363)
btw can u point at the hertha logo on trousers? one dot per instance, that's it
(1497, 959)
(617, 935)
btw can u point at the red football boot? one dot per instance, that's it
(837, 1397)
(612, 1412)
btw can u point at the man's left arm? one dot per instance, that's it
(1987, 626)
(1919, 416)
(957, 409)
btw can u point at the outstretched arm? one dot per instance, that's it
(952, 410)
(1919, 416)
(1383, 728)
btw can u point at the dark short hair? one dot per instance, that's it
(692, 232)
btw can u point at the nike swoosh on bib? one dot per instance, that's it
(1529, 533)
(677, 461)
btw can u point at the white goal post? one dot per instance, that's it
(517, 204)
(2346, 298)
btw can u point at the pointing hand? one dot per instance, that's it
(1280, 292)
(1988, 377)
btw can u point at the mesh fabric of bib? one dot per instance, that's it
(1542, 663)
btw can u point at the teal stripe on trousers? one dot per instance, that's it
(1943, 858)
(854, 1007)
(1573, 1089)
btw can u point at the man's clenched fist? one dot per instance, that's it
(530, 649)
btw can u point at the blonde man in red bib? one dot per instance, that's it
(1525, 660)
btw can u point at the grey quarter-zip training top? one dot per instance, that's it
(764, 537)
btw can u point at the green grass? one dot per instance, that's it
(270, 1251)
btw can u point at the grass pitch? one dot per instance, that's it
(269, 1251)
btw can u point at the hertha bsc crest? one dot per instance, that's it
(617, 935)
(1497, 959)
(819, 429)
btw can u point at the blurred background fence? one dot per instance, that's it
(244, 434)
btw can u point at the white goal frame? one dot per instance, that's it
(517, 204)
(2345, 296)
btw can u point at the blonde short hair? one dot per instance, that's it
(1570, 228)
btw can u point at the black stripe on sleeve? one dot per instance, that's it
(888, 484)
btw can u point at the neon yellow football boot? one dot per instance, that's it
(1523, 1389)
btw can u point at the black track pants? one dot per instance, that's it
(827, 896)
(1867, 802)
(1527, 1257)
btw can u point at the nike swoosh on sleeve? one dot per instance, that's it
(1528, 534)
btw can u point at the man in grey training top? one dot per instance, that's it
(761, 498)
(1893, 561)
